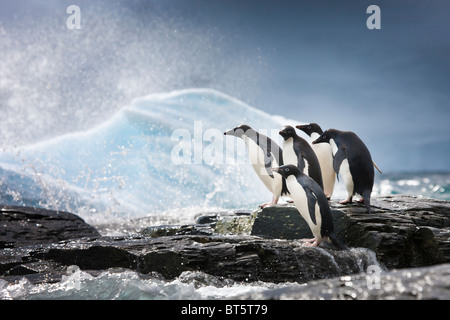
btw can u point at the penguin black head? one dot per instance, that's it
(238, 131)
(287, 132)
(310, 128)
(326, 136)
(286, 170)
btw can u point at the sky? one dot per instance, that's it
(312, 61)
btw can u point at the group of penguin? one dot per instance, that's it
(307, 173)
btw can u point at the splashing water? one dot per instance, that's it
(163, 151)
(125, 284)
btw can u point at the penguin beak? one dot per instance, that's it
(229, 132)
(302, 127)
(276, 170)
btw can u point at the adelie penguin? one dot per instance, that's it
(312, 204)
(324, 155)
(264, 154)
(352, 160)
(298, 152)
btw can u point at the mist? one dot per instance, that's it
(309, 61)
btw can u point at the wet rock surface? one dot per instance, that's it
(263, 245)
(241, 258)
(403, 231)
(30, 226)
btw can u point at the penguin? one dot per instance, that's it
(264, 154)
(324, 155)
(353, 161)
(312, 204)
(298, 152)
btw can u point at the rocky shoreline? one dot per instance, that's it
(402, 232)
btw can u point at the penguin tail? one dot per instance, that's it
(336, 242)
(376, 167)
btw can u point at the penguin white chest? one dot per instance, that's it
(257, 160)
(344, 171)
(324, 154)
(323, 151)
(289, 156)
(334, 147)
(300, 199)
(255, 153)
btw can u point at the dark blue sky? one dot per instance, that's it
(305, 60)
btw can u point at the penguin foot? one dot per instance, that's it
(267, 204)
(313, 243)
(308, 240)
(346, 201)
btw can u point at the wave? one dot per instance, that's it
(161, 152)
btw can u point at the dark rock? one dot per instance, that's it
(207, 219)
(403, 231)
(175, 230)
(403, 235)
(280, 222)
(93, 257)
(285, 222)
(241, 258)
(25, 225)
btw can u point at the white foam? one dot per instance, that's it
(123, 167)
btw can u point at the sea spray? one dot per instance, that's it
(123, 168)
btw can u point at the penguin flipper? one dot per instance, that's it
(312, 200)
(268, 164)
(300, 156)
(301, 163)
(272, 153)
(340, 156)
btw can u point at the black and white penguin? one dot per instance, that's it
(312, 204)
(324, 155)
(352, 160)
(298, 152)
(264, 154)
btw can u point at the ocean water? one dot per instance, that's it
(162, 156)
(129, 285)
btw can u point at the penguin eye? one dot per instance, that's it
(286, 169)
(309, 127)
(324, 136)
